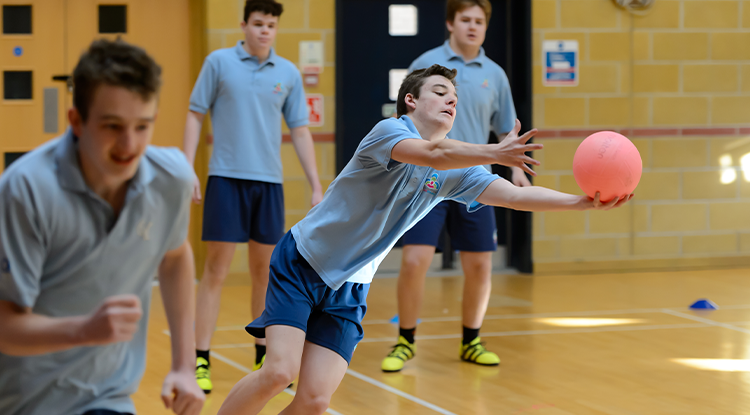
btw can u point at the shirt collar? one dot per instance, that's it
(409, 124)
(69, 172)
(453, 55)
(243, 55)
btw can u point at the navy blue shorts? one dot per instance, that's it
(237, 210)
(298, 297)
(469, 232)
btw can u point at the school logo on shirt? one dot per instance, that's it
(432, 185)
(486, 83)
(279, 88)
(143, 229)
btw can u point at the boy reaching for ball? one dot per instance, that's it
(321, 270)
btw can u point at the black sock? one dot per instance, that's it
(260, 351)
(407, 333)
(470, 334)
(203, 354)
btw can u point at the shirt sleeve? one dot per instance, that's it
(295, 106)
(376, 148)
(503, 112)
(472, 183)
(22, 250)
(206, 88)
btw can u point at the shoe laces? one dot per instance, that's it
(401, 351)
(202, 372)
(474, 351)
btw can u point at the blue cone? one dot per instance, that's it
(704, 304)
(394, 320)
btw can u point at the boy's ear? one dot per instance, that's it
(411, 102)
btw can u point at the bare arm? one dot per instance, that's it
(303, 145)
(540, 199)
(190, 145)
(452, 154)
(176, 283)
(25, 333)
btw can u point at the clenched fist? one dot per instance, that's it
(115, 320)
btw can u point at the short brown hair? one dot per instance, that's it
(455, 6)
(263, 6)
(414, 82)
(115, 63)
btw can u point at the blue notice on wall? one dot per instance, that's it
(560, 58)
(17, 51)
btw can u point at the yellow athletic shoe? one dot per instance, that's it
(203, 375)
(257, 366)
(402, 351)
(475, 352)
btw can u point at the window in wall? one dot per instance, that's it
(16, 20)
(113, 19)
(17, 85)
(402, 20)
(395, 78)
(10, 157)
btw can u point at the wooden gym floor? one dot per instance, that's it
(615, 344)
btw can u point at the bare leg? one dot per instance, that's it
(477, 287)
(415, 262)
(259, 261)
(282, 365)
(218, 260)
(321, 373)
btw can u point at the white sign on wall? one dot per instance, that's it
(311, 56)
(560, 60)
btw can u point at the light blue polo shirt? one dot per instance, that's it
(62, 251)
(374, 201)
(484, 97)
(247, 101)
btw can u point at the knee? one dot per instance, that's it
(215, 273)
(218, 262)
(315, 404)
(479, 271)
(279, 377)
(414, 263)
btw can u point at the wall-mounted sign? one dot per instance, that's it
(560, 60)
(311, 56)
(17, 51)
(315, 109)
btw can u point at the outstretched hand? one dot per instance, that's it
(512, 150)
(597, 204)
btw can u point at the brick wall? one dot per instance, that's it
(677, 82)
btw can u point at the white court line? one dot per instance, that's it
(510, 316)
(242, 368)
(538, 315)
(552, 331)
(515, 333)
(520, 316)
(705, 320)
(395, 391)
